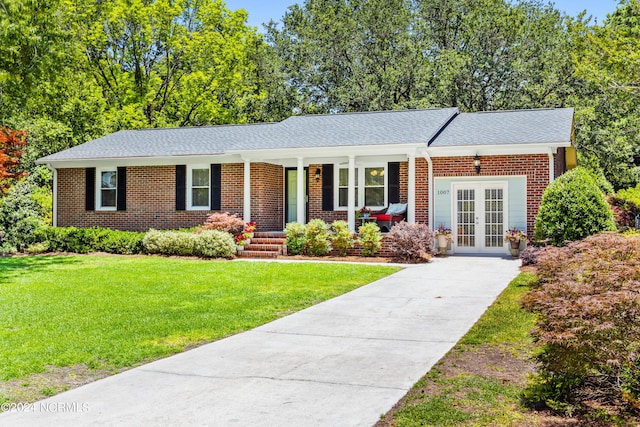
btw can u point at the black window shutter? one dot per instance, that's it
(394, 182)
(327, 187)
(121, 197)
(216, 187)
(90, 189)
(181, 187)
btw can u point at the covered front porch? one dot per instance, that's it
(278, 188)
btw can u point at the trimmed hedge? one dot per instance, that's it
(96, 239)
(207, 244)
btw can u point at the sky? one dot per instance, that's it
(261, 11)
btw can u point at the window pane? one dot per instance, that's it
(374, 176)
(200, 177)
(108, 198)
(343, 181)
(108, 179)
(374, 196)
(200, 197)
(342, 195)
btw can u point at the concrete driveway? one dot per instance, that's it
(340, 363)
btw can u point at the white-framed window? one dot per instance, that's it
(107, 189)
(370, 186)
(198, 187)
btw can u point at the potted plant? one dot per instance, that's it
(515, 236)
(364, 212)
(240, 240)
(249, 229)
(444, 236)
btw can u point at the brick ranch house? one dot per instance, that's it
(476, 173)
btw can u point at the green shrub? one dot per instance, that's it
(38, 248)
(588, 329)
(572, 208)
(630, 194)
(370, 238)
(214, 244)
(207, 244)
(20, 215)
(169, 243)
(96, 239)
(317, 235)
(411, 242)
(342, 239)
(296, 239)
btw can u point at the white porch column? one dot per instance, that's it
(552, 167)
(411, 189)
(300, 202)
(351, 195)
(246, 210)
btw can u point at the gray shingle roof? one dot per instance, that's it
(185, 141)
(334, 130)
(354, 129)
(508, 127)
(389, 127)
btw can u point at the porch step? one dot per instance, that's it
(270, 244)
(268, 241)
(257, 254)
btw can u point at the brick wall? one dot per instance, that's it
(535, 167)
(267, 196)
(315, 195)
(151, 196)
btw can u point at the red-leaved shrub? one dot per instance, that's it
(223, 221)
(411, 242)
(588, 303)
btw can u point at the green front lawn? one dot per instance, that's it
(112, 312)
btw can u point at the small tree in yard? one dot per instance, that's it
(12, 143)
(572, 208)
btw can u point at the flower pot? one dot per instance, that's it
(442, 243)
(515, 244)
(240, 248)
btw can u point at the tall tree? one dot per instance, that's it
(608, 117)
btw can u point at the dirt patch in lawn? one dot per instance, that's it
(458, 379)
(52, 381)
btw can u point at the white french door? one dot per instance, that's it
(479, 217)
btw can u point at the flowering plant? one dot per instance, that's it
(250, 227)
(443, 231)
(240, 239)
(515, 235)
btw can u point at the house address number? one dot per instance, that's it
(443, 192)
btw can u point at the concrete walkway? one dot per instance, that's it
(340, 363)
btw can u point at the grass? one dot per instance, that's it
(113, 312)
(466, 387)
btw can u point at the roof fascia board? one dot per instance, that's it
(141, 161)
(495, 150)
(321, 152)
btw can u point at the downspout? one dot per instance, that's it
(54, 195)
(430, 192)
(552, 166)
